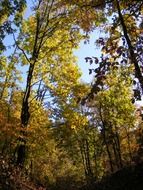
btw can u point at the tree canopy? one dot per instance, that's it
(58, 132)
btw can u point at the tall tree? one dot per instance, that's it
(51, 19)
(124, 42)
(114, 113)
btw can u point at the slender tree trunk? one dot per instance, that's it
(133, 58)
(119, 149)
(129, 144)
(38, 42)
(25, 115)
(84, 150)
(105, 140)
(88, 162)
(108, 152)
(107, 146)
(82, 156)
(95, 160)
(115, 154)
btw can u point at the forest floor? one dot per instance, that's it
(128, 178)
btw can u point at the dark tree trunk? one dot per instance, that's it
(118, 149)
(25, 115)
(88, 162)
(84, 149)
(115, 154)
(133, 58)
(129, 144)
(108, 152)
(82, 156)
(105, 139)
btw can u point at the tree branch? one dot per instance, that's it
(21, 49)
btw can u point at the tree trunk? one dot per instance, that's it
(105, 140)
(133, 58)
(25, 115)
(88, 162)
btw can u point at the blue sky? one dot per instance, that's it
(88, 50)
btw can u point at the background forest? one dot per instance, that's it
(57, 132)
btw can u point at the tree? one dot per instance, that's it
(50, 20)
(43, 26)
(114, 113)
(124, 42)
(55, 121)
